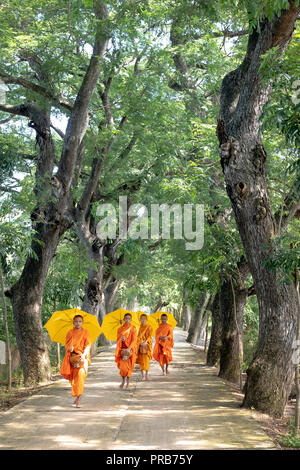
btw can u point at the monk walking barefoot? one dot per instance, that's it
(164, 341)
(78, 345)
(144, 346)
(125, 355)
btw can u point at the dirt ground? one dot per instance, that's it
(273, 428)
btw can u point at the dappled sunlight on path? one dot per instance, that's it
(189, 409)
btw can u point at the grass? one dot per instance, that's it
(292, 439)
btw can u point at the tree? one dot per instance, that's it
(52, 192)
(243, 159)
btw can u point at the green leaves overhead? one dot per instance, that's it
(158, 121)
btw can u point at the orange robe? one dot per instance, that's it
(126, 366)
(145, 334)
(79, 339)
(162, 352)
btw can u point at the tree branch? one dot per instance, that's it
(61, 102)
(243, 94)
(58, 131)
(105, 102)
(78, 120)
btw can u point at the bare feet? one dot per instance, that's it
(123, 382)
(78, 405)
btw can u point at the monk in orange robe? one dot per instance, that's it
(77, 342)
(144, 339)
(164, 341)
(126, 340)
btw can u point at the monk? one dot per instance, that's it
(144, 339)
(164, 341)
(77, 342)
(126, 340)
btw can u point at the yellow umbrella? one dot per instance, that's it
(62, 321)
(157, 316)
(150, 320)
(113, 320)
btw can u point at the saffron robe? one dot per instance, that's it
(144, 335)
(126, 366)
(79, 339)
(162, 351)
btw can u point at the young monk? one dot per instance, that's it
(144, 339)
(77, 342)
(162, 352)
(126, 340)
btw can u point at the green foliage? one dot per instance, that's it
(250, 330)
(285, 257)
(292, 439)
(174, 158)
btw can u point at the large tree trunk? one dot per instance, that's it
(215, 342)
(27, 293)
(26, 299)
(233, 298)
(243, 159)
(232, 305)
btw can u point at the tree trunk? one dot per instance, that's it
(101, 290)
(94, 299)
(198, 319)
(186, 315)
(206, 333)
(243, 159)
(110, 293)
(215, 342)
(160, 304)
(232, 309)
(26, 299)
(8, 349)
(51, 217)
(201, 321)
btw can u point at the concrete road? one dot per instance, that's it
(189, 409)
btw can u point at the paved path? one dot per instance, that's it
(189, 409)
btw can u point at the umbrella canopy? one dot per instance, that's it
(157, 316)
(62, 321)
(113, 320)
(150, 320)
